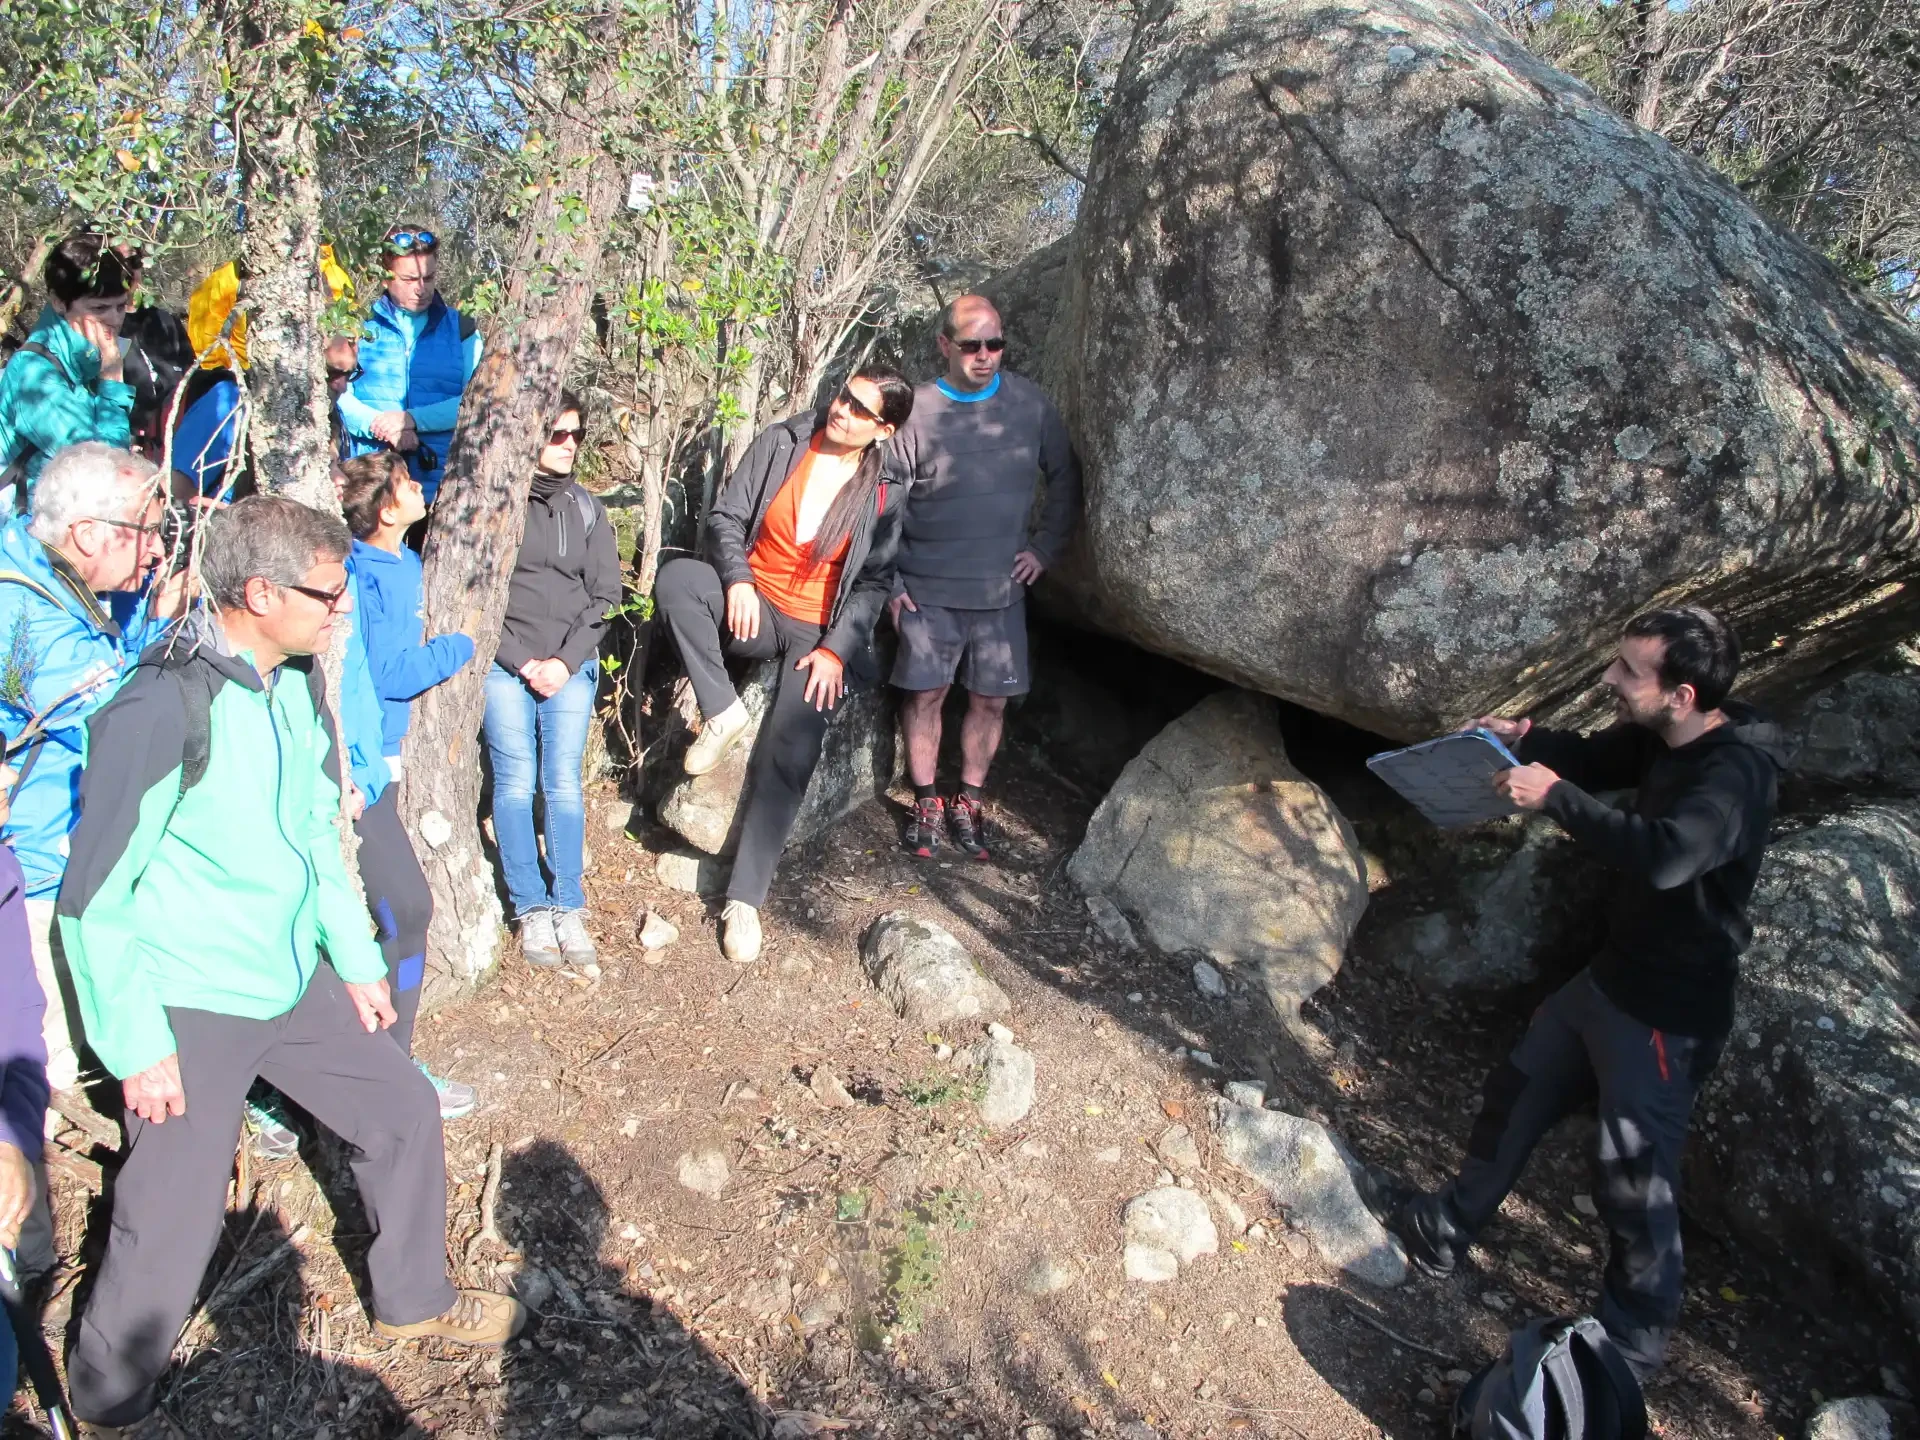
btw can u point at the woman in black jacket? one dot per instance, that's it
(802, 539)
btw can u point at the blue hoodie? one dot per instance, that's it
(362, 718)
(63, 650)
(402, 665)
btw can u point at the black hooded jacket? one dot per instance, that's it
(1689, 847)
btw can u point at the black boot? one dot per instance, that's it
(1418, 1220)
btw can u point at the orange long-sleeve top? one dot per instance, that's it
(782, 572)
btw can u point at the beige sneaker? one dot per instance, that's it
(740, 932)
(478, 1317)
(716, 738)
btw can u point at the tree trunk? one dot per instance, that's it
(481, 510)
(15, 295)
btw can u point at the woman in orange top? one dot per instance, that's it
(801, 538)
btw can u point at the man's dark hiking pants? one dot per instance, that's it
(170, 1198)
(1582, 1047)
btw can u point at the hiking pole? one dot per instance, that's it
(35, 1358)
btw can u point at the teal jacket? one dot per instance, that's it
(47, 405)
(222, 897)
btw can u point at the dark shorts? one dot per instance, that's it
(987, 649)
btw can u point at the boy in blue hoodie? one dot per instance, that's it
(380, 499)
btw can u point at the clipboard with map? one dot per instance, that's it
(1450, 780)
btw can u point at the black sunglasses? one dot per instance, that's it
(560, 437)
(408, 242)
(992, 346)
(847, 398)
(329, 598)
(347, 375)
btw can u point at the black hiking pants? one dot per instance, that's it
(1580, 1048)
(690, 595)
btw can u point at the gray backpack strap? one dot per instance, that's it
(589, 512)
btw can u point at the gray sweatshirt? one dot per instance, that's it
(973, 466)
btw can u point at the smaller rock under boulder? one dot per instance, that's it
(689, 873)
(1174, 1220)
(1313, 1178)
(1860, 1418)
(927, 975)
(1010, 1080)
(1863, 733)
(1219, 845)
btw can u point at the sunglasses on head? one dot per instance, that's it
(993, 345)
(847, 398)
(411, 242)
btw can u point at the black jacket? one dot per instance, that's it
(1690, 848)
(565, 580)
(866, 579)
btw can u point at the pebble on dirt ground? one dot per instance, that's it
(1174, 1220)
(656, 931)
(1860, 1418)
(1010, 1079)
(704, 1170)
(1108, 920)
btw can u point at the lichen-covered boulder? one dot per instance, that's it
(1219, 845)
(1808, 1137)
(1405, 371)
(1863, 733)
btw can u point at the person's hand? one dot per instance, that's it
(95, 332)
(373, 1003)
(894, 605)
(826, 678)
(388, 426)
(155, 1093)
(545, 677)
(743, 611)
(356, 802)
(1507, 732)
(1526, 785)
(1027, 567)
(409, 436)
(168, 599)
(16, 1192)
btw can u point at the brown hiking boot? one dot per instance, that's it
(478, 1317)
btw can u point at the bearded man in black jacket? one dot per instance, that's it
(1640, 1029)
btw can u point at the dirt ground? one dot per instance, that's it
(877, 1269)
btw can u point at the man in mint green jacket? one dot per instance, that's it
(214, 937)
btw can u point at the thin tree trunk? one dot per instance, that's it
(480, 513)
(16, 293)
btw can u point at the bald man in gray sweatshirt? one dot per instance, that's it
(979, 440)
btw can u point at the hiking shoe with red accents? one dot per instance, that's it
(968, 826)
(929, 818)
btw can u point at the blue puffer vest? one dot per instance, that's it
(389, 380)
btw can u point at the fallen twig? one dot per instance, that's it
(230, 1290)
(72, 1107)
(489, 1204)
(1367, 1317)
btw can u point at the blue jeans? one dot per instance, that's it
(527, 736)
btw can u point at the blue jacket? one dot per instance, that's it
(57, 644)
(203, 440)
(45, 407)
(360, 717)
(402, 666)
(424, 375)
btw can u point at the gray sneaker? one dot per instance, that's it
(576, 945)
(538, 944)
(270, 1132)
(456, 1099)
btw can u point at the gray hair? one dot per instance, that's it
(266, 537)
(89, 481)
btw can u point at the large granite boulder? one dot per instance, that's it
(1405, 372)
(858, 762)
(1219, 845)
(1863, 733)
(1808, 1135)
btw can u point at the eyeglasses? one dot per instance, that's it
(349, 376)
(847, 398)
(329, 598)
(153, 529)
(411, 242)
(560, 437)
(993, 345)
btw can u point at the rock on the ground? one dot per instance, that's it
(828, 1090)
(689, 873)
(1108, 920)
(1149, 1264)
(1247, 1092)
(1174, 1220)
(858, 762)
(657, 932)
(926, 974)
(1468, 368)
(1047, 1276)
(1808, 1139)
(1863, 733)
(616, 1420)
(1314, 1180)
(1009, 1074)
(1860, 1418)
(1219, 845)
(1209, 981)
(1177, 1148)
(704, 1170)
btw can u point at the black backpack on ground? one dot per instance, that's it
(1561, 1379)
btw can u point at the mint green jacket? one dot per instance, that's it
(224, 896)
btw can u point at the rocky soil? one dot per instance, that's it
(875, 1258)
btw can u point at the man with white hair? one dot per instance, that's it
(73, 620)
